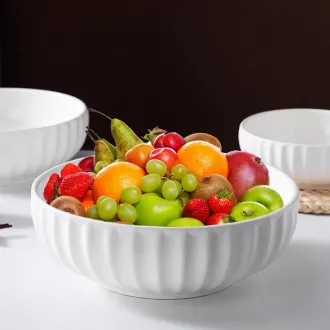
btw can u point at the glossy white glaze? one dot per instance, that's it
(38, 129)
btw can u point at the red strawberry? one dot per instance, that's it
(70, 169)
(197, 208)
(221, 202)
(218, 218)
(49, 190)
(76, 185)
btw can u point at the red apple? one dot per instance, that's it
(245, 170)
(174, 141)
(87, 164)
(167, 155)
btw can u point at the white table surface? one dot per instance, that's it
(37, 292)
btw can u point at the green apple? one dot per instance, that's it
(264, 195)
(248, 210)
(153, 210)
(185, 222)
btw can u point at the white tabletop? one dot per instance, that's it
(37, 292)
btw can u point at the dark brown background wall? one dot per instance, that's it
(184, 65)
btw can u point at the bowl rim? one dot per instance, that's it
(84, 220)
(46, 91)
(314, 145)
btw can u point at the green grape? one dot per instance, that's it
(159, 189)
(100, 165)
(127, 212)
(101, 199)
(150, 182)
(178, 171)
(107, 208)
(193, 173)
(185, 197)
(92, 174)
(130, 195)
(179, 186)
(170, 190)
(92, 213)
(155, 166)
(189, 182)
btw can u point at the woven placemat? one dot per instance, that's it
(314, 201)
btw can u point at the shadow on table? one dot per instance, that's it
(290, 294)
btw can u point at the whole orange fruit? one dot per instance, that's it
(138, 155)
(203, 158)
(111, 180)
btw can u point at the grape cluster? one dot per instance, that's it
(108, 209)
(179, 182)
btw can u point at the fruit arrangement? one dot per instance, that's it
(163, 179)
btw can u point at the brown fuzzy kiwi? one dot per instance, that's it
(70, 205)
(211, 184)
(203, 137)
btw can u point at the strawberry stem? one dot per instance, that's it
(223, 194)
(56, 194)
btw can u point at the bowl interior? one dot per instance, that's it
(281, 182)
(22, 109)
(297, 126)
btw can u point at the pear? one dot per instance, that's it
(124, 136)
(102, 149)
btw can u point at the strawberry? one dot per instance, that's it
(70, 169)
(219, 218)
(220, 202)
(76, 185)
(197, 208)
(50, 192)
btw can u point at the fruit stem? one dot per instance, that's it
(245, 213)
(258, 160)
(99, 112)
(93, 132)
(90, 135)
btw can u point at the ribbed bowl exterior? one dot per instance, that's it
(160, 262)
(308, 165)
(29, 153)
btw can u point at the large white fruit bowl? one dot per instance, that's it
(296, 141)
(38, 129)
(161, 262)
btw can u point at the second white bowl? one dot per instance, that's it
(296, 141)
(38, 129)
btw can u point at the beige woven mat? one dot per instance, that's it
(314, 201)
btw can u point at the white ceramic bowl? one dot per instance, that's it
(296, 141)
(161, 262)
(38, 129)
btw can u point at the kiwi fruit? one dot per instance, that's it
(69, 204)
(211, 184)
(203, 137)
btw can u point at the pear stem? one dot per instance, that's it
(90, 135)
(99, 112)
(93, 132)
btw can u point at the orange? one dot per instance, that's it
(203, 158)
(112, 179)
(139, 154)
(88, 200)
